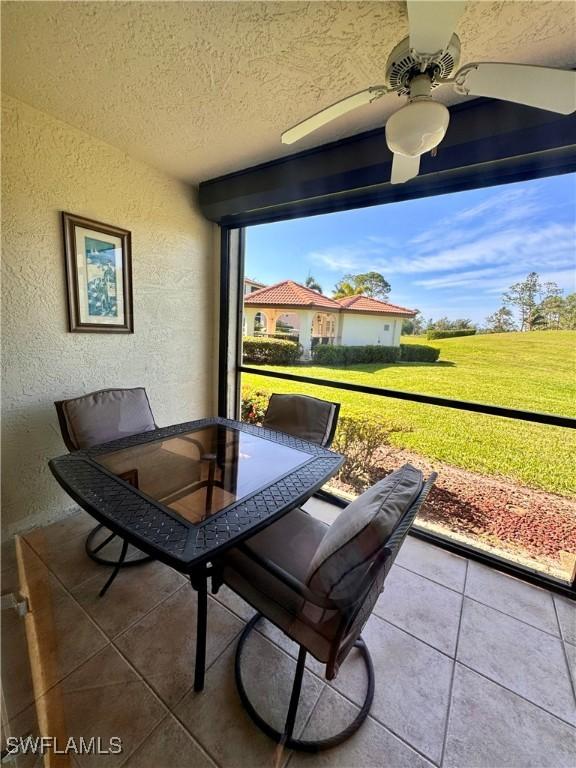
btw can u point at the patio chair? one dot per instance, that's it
(319, 584)
(302, 416)
(97, 418)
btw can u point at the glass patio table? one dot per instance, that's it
(186, 493)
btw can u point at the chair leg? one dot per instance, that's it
(93, 550)
(286, 739)
(200, 584)
(295, 696)
(116, 570)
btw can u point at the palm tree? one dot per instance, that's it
(312, 283)
(345, 288)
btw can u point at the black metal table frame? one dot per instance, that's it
(161, 533)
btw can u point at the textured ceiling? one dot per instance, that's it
(199, 89)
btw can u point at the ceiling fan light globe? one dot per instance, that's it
(417, 128)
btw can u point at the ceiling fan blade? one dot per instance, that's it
(541, 87)
(404, 168)
(432, 23)
(338, 109)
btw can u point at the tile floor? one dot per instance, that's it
(472, 667)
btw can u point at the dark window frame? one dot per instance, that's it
(545, 151)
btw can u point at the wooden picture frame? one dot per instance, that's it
(98, 260)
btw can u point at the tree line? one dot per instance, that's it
(527, 305)
(531, 305)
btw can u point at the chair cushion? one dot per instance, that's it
(359, 532)
(301, 416)
(290, 543)
(109, 414)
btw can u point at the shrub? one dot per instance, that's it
(450, 334)
(327, 354)
(253, 405)
(359, 440)
(282, 336)
(418, 353)
(271, 351)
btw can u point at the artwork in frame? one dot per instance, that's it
(99, 276)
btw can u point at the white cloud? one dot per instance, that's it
(552, 245)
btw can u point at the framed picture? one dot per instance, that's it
(98, 275)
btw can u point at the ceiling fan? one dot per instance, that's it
(427, 59)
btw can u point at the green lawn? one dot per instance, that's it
(533, 371)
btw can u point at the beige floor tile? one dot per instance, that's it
(522, 658)
(56, 534)
(217, 720)
(567, 617)
(162, 645)
(134, 592)
(490, 726)
(59, 635)
(62, 547)
(412, 685)
(422, 607)
(512, 596)
(103, 698)
(372, 746)
(169, 746)
(433, 562)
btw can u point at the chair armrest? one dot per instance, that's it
(289, 580)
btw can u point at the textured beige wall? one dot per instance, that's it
(48, 167)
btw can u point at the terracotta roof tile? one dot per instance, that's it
(373, 306)
(290, 294)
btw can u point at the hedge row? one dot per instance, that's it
(450, 334)
(326, 354)
(271, 351)
(418, 353)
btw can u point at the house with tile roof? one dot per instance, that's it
(319, 319)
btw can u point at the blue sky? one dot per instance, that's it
(448, 255)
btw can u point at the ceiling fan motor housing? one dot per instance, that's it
(404, 63)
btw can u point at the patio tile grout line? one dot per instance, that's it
(110, 642)
(571, 677)
(451, 688)
(59, 681)
(515, 693)
(475, 599)
(355, 704)
(136, 621)
(347, 698)
(208, 666)
(155, 728)
(183, 724)
(463, 664)
(306, 722)
(429, 578)
(162, 703)
(415, 637)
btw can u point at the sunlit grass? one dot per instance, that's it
(532, 371)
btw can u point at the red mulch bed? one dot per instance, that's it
(492, 509)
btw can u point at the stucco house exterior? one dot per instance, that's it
(319, 319)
